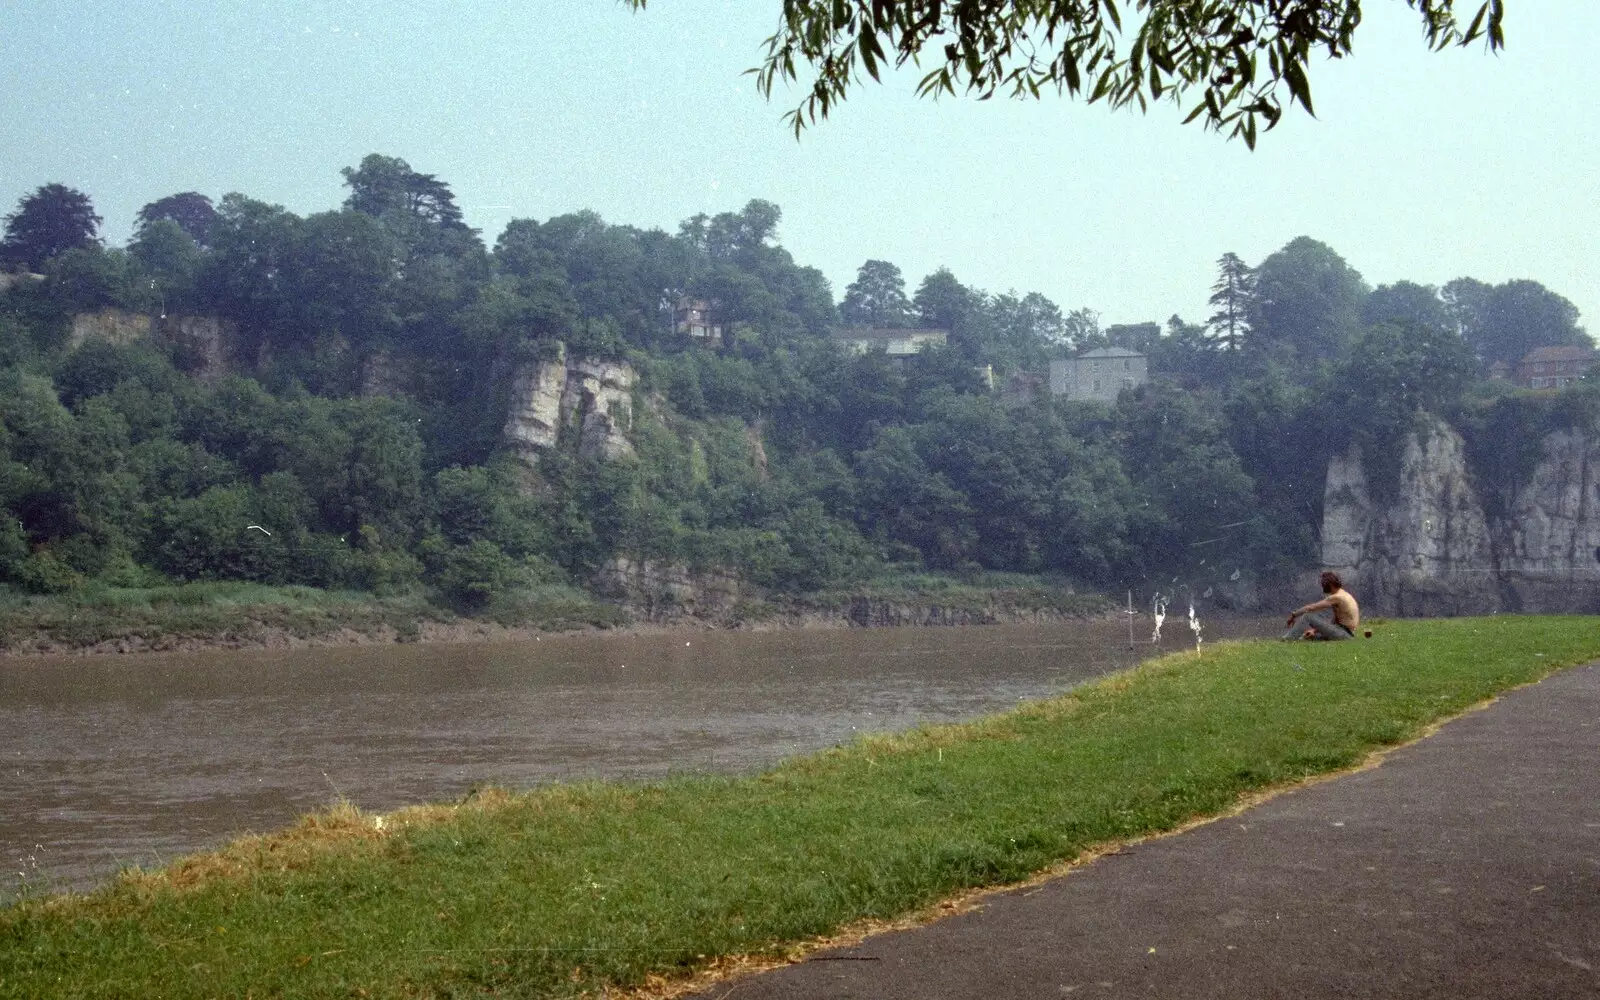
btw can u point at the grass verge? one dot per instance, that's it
(575, 889)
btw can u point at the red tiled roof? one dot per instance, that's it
(1569, 353)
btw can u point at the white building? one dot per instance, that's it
(896, 343)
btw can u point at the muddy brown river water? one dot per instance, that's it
(107, 762)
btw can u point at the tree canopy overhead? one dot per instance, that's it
(1228, 61)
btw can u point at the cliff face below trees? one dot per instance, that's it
(209, 345)
(1435, 550)
(592, 398)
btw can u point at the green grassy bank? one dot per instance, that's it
(569, 889)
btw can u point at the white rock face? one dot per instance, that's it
(1433, 551)
(593, 398)
(665, 592)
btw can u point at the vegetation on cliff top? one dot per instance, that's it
(343, 427)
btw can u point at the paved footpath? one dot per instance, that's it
(1467, 865)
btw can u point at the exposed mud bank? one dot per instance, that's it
(260, 632)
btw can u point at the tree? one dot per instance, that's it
(1463, 301)
(387, 186)
(1517, 316)
(1141, 337)
(169, 259)
(1393, 371)
(192, 211)
(248, 274)
(1231, 294)
(1227, 60)
(877, 297)
(1080, 330)
(1406, 303)
(48, 222)
(942, 302)
(1307, 301)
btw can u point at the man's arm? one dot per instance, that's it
(1318, 606)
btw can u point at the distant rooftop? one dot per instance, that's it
(1567, 353)
(1111, 352)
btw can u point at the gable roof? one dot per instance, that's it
(1566, 353)
(1111, 352)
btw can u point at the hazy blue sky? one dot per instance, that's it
(1421, 166)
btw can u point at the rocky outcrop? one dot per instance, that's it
(592, 399)
(1434, 550)
(660, 592)
(114, 326)
(209, 345)
(206, 346)
(383, 374)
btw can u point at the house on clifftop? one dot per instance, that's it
(1553, 367)
(897, 343)
(1098, 375)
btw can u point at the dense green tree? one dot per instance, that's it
(248, 276)
(387, 187)
(1392, 373)
(1176, 451)
(1307, 303)
(344, 279)
(913, 505)
(1024, 331)
(168, 264)
(1517, 316)
(944, 303)
(1405, 303)
(47, 223)
(1464, 300)
(88, 278)
(191, 211)
(877, 297)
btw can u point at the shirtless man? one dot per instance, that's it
(1346, 614)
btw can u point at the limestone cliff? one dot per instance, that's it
(592, 399)
(1434, 550)
(208, 346)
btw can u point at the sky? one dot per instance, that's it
(1419, 166)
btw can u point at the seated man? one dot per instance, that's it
(1344, 622)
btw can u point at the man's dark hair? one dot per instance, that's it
(1330, 582)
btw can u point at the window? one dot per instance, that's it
(1096, 385)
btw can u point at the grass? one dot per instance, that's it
(575, 889)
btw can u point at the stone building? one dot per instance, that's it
(1098, 375)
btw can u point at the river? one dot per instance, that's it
(116, 761)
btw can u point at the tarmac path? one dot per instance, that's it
(1466, 865)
